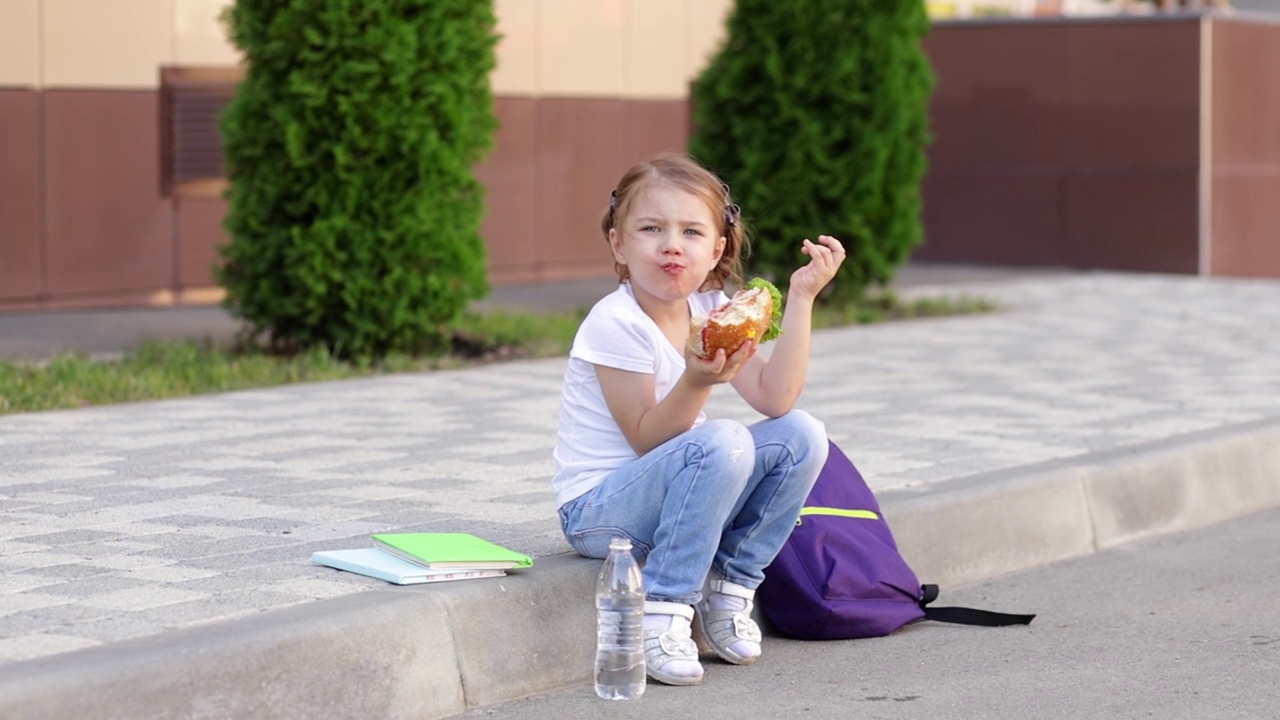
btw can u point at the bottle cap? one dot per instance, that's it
(620, 543)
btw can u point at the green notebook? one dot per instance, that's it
(451, 550)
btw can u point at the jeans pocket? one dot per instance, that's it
(594, 542)
(589, 536)
(570, 512)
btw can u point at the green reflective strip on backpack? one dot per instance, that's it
(841, 512)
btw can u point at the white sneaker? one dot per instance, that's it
(670, 655)
(725, 616)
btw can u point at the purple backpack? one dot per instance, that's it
(840, 574)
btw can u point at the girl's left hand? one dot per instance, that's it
(825, 258)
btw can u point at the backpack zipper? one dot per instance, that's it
(840, 512)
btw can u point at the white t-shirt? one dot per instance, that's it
(618, 334)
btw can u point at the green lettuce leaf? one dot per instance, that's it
(775, 325)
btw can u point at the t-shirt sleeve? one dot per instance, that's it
(615, 339)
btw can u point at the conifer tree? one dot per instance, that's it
(350, 146)
(815, 113)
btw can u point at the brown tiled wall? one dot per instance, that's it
(549, 179)
(1065, 143)
(108, 231)
(510, 176)
(994, 190)
(21, 272)
(1245, 200)
(110, 237)
(199, 234)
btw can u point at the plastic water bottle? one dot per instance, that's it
(620, 672)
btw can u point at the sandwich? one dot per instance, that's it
(753, 313)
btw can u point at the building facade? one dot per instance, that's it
(106, 125)
(87, 217)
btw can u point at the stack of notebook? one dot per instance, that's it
(413, 558)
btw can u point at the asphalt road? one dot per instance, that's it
(1181, 626)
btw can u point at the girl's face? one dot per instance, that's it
(669, 242)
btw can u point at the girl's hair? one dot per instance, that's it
(685, 173)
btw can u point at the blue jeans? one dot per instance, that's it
(721, 498)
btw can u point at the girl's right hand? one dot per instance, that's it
(720, 368)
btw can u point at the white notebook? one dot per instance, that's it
(383, 565)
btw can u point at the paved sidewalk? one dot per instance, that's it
(142, 545)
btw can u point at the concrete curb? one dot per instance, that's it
(989, 525)
(435, 651)
(412, 652)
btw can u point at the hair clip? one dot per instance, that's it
(613, 199)
(731, 214)
(731, 211)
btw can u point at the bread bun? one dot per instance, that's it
(745, 317)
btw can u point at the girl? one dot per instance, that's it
(707, 504)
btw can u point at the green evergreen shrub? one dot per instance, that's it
(815, 112)
(354, 209)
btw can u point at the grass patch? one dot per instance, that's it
(505, 335)
(887, 306)
(182, 368)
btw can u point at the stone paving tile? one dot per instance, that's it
(20, 602)
(129, 520)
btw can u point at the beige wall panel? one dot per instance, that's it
(99, 44)
(517, 71)
(706, 31)
(583, 48)
(19, 43)
(199, 37)
(656, 29)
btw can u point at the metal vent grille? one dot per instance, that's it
(191, 103)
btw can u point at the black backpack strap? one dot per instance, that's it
(967, 616)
